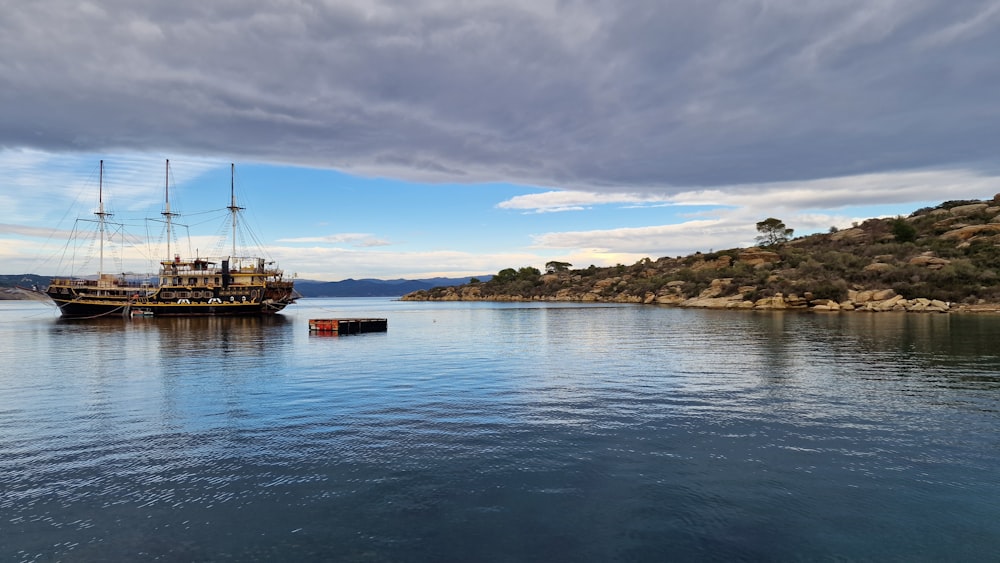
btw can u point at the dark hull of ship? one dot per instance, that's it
(82, 299)
(86, 309)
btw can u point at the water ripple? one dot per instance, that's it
(502, 432)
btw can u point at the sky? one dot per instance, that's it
(382, 139)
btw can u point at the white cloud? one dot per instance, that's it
(331, 264)
(804, 206)
(358, 239)
(659, 240)
(823, 193)
(981, 20)
(575, 200)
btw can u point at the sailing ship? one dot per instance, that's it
(231, 285)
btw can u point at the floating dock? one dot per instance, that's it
(348, 326)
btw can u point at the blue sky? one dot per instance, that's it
(432, 138)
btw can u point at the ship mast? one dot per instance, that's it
(101, 217)
(166, 211)
(233, 208)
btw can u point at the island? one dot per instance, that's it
(937, 259)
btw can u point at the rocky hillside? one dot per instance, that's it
(944, 258)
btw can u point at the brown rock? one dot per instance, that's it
(967, 232)
(849, 235)
(758, 257)
(883, 294)
(968, 209)
(879, 267)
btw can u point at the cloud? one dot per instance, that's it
(596, 95)
(34, 179)
(968, 27)
(326, 263)
(25, 230)
(353, 239)
(571, 200)
(824, 193)
(659, 240)
(733, 211)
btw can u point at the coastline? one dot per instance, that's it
(868, 301)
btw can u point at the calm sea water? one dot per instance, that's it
(500, 432)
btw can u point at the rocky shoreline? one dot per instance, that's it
(869, 301)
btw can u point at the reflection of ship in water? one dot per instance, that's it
(248, 337)
(232, 285)
(195, 338)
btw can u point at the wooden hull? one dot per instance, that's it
(83, 309)
(76, 301)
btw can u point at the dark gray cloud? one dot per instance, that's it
(572, 93)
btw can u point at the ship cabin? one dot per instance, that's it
(204, 273)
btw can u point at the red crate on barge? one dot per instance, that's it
(348, 326)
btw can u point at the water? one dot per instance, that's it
(500, 432)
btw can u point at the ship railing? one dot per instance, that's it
(117, 282)
(186, 268)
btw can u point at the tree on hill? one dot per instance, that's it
(772, 231)
(528, 273)
(903, 231)
(505, 275)
(555, 266)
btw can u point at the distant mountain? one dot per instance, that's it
(8, 283)
(23, 280)
(374, 287)
(308, 288)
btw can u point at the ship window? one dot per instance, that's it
(192, 281)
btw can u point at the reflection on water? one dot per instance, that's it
(499, 432)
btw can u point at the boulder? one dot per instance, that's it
(968, 209)
(719, 263)
(879, 267)
(882, 294)
(758, 257)
(825, 305)
(849, 235)
(775, 302)
(566, 294)
(600, 285)
(887, 304)
(969, 231)
(716, 288)
(928, 260)
(793, 301)
(711, 302)
(669, 299)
